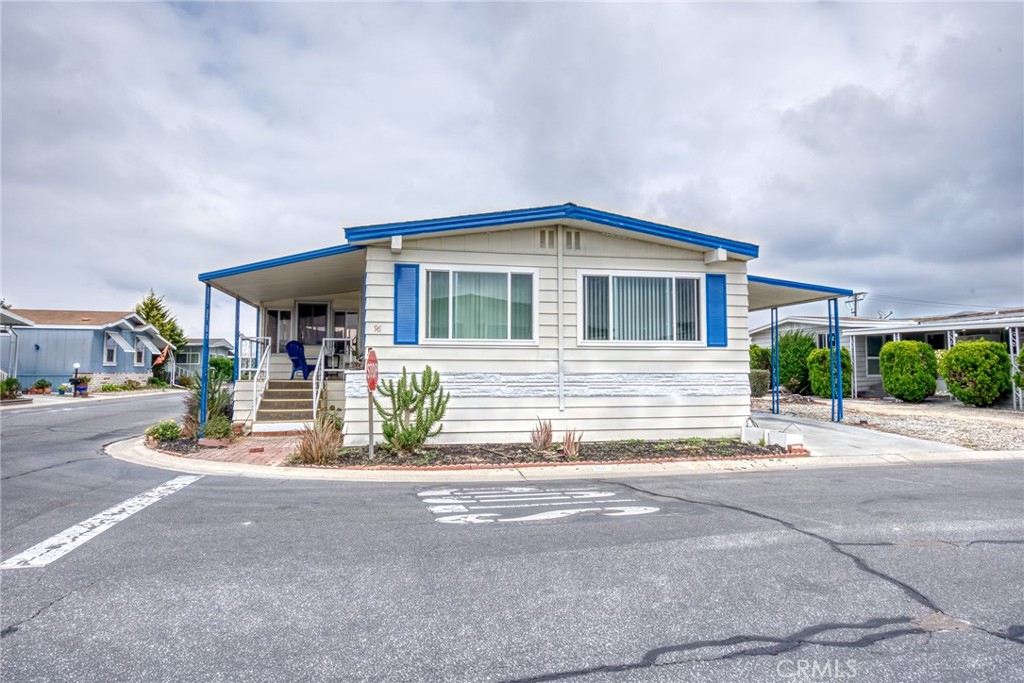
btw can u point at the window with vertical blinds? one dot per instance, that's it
(640, 308)
(473, 305)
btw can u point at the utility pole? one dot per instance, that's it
(854, 300)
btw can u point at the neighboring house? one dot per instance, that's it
(620, 327)
(109, 346)
(864, 337)
(10, 323)
(189, 356)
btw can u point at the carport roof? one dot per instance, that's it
(766, 292)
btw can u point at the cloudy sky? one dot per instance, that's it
(877, 147)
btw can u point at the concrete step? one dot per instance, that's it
(277, 403)
(288, 395)
(290, 384)
(285, 415)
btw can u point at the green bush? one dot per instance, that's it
(1018, 378)
(222, 368)
(218, 427)
(131, 385)
(218, 402)
(108, 388)
(938, 361)
(760, 358)
(10, 387)
(42, 383)
(819, 369)
(977, 372)
(794, 347)
(909, 370)
(156, 382)
(760, 382)
(416, 411)
(164, 430)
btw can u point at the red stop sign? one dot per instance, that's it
(371, 370)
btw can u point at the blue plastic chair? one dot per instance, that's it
(297, 355)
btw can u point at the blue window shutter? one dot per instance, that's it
(407, 305)
(718, 316)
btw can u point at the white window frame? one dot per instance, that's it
(139, 357)
(107, 337)
(424, 302)
(868, 357)
(700, 341)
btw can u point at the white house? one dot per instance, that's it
(617, 326)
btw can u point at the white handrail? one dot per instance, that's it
(320, 373)
(318, 378)
(260, 349)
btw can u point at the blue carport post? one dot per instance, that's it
(775, 361)
(204, 384)
(238, 315)
(836, 359)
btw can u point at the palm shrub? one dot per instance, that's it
(9, 387)
(760, 382)
(794, 347)
(909, 370)
(218, 402)
(415, 410)
(819, 371)
(977, 372)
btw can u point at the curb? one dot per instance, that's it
(135, 451)
(68, 401)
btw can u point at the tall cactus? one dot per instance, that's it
(417, 408)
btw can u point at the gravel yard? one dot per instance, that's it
(984, 429)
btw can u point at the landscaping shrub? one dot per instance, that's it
(977, 372)
(107, 388)
(819, 368)
(320, 442)
(131, 385)
(164, 430)
(218, 402)
(1018, 378)
(156, 382)
(186, 381)
(760, 382)
(218, 427)
(938, 362)
(10, 387)
(760, 358)
(541, 437)
(908, 370)
(42, 383)
(417, 408)
(794, 347)
(222, 368)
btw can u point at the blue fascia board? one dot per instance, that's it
(281, 261)
(799, 285)
(547, 213)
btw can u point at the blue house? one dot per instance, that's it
(109, 346)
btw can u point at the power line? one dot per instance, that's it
(922, 302)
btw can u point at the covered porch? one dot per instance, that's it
(770, 294)
(315, 298)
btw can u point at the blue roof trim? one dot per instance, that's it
(281, 261)
(799, 285)
(547, 213)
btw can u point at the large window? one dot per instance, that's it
(640, 308)
(475, 305)
(874, 347)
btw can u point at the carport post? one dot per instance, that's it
(238, 315)
(835, 360)
(775, 360)
(204, 385)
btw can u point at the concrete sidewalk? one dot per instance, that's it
(51, 400)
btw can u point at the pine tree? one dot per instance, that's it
(153, 310)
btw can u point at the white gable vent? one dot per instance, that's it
(547, 239)
(573, 240)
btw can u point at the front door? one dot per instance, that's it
(279, 329)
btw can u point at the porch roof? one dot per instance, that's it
(306, 274)
(765, 292)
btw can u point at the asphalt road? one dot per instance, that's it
(784, 576)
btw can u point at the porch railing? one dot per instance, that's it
(338, 352)
(254, 365)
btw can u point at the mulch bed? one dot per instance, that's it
(597, 452)
(180, 446)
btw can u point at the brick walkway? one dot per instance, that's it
(252, 450)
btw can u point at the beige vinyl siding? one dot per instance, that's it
(477, 418)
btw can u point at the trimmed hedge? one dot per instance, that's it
(794, 347)
(977, 372)
(760, 382)
(760, 358)
(819, 369)
(1018, 378)
(909, 370)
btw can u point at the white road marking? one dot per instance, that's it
(57, 546)
(467, 502)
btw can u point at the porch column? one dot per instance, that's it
(836, 360)
(775, 360)
(238, 315)
(1015, 343)
(205, 382)
(256, 352)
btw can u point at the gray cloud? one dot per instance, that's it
(877, 147)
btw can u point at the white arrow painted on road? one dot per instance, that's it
(488, 517)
